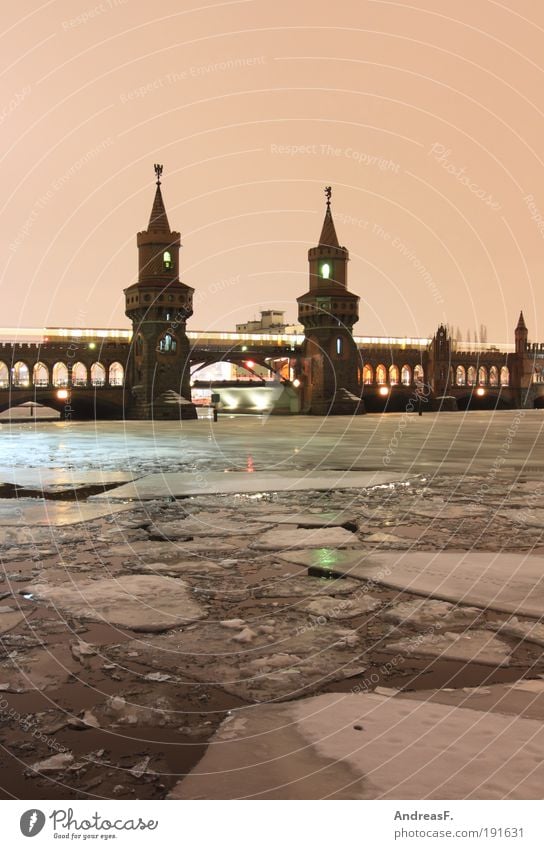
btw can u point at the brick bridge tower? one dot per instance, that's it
(158, 306)
(439, 362)
(328, 311)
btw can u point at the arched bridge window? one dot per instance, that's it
(116, 374)
(20, 375)
(98, 374)
(339, 346)
(482, 375)
(40, 375)
(167, 344)
(4, 375)
(79, 374)
(505, 376)
(368, 374)
(406, 375)
(419, 374)
(460, 376)
(381, 374)
(60, 374)
(393, 375)
(493, 376)
(471, 376)
(167, 259)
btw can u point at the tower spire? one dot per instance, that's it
(521, 322)
(328, 238)
(158, 220)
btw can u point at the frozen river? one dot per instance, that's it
(451, 443)
(383, 568)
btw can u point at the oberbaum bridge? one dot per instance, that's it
(149, 372)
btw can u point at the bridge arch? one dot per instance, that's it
(406, 375)
(60, 374)
(493, 376)
(381, 374)
(394, 376)
(368, 374)
(79, 374)
(98, 374)
(4, 375)
(40, 374)
(505, 376)
(116, 374)
(20, 374)
(471, 376)
(482, 376)
(460, 376)
(419, 374)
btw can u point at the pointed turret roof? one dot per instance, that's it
(328, 238)
(158, 220)
(521, 322)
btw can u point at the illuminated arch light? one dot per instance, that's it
(98, 374)
(21, 375)
(79, 374)
(40, 375)
(60, 374)
(116, 374)
(381, 374)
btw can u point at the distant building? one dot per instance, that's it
(271, 321)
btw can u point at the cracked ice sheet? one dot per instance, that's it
(139, 602)
(19, 512)
(523, 698)
(469, 647)
(212, 483)
(508, 582)
(309, 749)
(425, 611)
(249, 668)
(46, 478)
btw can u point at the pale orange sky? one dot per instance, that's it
(352, 94)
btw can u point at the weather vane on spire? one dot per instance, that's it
(328, 193)
(158, 172)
